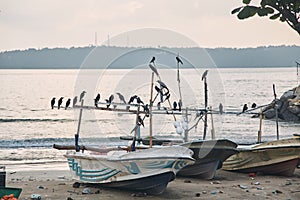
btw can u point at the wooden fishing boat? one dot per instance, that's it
(148, 170)
(279, 157)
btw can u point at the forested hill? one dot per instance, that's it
(72, 58)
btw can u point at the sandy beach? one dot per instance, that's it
(55, 182)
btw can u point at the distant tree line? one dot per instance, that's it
(72, 58)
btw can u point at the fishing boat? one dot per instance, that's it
(279, 157)
(148, 170)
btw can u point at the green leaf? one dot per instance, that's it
(262, 12)
(270, 10)
(275, 16)
(246, 1)
(247, 11)
(236, 10)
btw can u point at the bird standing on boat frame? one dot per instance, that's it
(52, 102)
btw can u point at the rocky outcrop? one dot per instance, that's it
(288, 106)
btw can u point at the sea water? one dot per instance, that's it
(29, 127)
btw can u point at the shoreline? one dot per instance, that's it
(54, 181)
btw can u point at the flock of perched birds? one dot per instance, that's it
(162, 90)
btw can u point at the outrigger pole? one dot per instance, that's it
(298, 65)
(276, 111)
(77, 147)
(205, 103)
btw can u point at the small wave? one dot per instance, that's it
(34, 120)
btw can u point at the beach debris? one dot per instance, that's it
(243, 186)
(97, 192)
(257, 183)
(12, 172)
(40, 187)
(259, 188)
(139, 194)
(62, 184)
(69, 198)
(204, 192)
(35, 197)
(213, 192)
(277, 192)
(86, 191)
(187, 181)
(221, 192)
(252, 174)
(198, 194)
(76, 185)
(215, 182)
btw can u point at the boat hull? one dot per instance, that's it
(140, 171)
(279, 157)
(209, 156)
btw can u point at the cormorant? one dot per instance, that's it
(132, 99)
(204, 75)
(52, 102)
(68, 103)
(82, 95)
(179, 105)
(245, 107)
(174, 105)
(178, 60)
(60, 102)
(253, 105)
(121, 97)
(152, 60)
(221, 108)
(74, 101)
(96, 100)
(139, 101)
(109, 100)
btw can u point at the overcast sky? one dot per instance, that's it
(57, 23)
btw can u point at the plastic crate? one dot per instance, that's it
(9, 190)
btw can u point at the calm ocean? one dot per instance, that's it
(29, 127)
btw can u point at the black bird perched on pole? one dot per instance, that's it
(152, 60)
(82, 95)
(245, 107)
(109, 100)
(121, 97)
(96, 100)
(174, 105)
(74, 101)
(52, 102)
(179, 60)
(253, 105)
(60, 102)
(179, 105)
(139, 101)
(68, 103)
(204, 75)
(132, 99)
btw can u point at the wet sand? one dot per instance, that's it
(56, 183)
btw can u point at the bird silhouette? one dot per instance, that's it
(174, 105)
(82, 95)
(121, 97)
(245, 107)
(74, 101)
(179, 60)
(204, 75)
(96, 100)
(221, 108)
(132, 99)
(52, 102)
(152, 60)
(139, 101)
(59, 102)
(109, 100)
(68, 103)
(158, 105)
(253, 105)
(179, 105)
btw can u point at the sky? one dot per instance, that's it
(74, 23)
